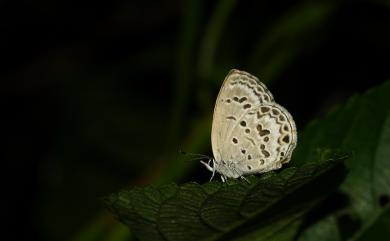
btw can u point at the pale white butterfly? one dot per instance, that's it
(251, 133)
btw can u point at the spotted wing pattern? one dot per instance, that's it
(249, 128)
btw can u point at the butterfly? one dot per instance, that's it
(251, 133)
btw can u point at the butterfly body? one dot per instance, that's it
(251, 133)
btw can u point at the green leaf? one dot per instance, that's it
(233, 210)
(379, 230)
(363, 127)
(325, 230)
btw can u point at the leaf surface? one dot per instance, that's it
(363, 127)
(225, 211)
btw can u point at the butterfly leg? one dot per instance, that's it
(212, 176)
(223, 179)
(245, 179)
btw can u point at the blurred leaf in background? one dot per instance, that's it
(101, 96)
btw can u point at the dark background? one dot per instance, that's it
(101, 96)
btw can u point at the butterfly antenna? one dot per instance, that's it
(195, 155)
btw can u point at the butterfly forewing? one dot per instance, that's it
(240, 92)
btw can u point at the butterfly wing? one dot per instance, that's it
(249, 128)
(265, 142)
(239, 93)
